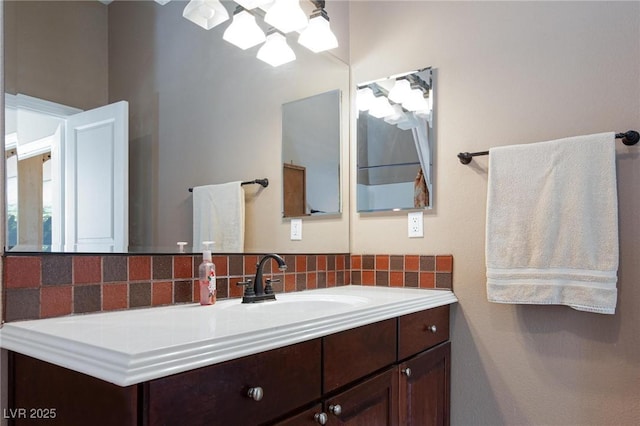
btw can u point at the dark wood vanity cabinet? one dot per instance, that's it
(394, 372)
(243, 391)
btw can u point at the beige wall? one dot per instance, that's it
(511, 73)
(57, 51)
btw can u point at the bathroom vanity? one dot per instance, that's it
(357, 355)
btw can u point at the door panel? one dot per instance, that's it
(96, 167)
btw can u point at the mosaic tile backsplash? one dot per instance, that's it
(51, 285)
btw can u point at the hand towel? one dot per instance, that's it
(218, 215)
(552, 223)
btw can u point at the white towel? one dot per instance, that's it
(218, 215)
(552, 224)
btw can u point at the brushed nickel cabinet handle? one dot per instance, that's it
(335, 409)
(321, 418)
(255, 393)
(406, 371)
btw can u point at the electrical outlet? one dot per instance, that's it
(296, 229)
(415, 225)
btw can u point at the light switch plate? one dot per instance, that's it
(415, 225)
(296, 229)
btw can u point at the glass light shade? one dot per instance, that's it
(286, 15)
(162, 2)
(398, 115)
(364, 98)
(318, 37)
(381, 107)
(244, 32)
(410, 123)
(400, 91)
(415, 101)
(275, 51)
(205, 13)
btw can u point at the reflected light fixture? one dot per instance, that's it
(244, 32)
(399, 93)
(364, 98)
(286, 16)
(318, 36)
(275, 51)
(380, 107)
(206, 13)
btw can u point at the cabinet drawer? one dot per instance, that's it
(422, 330)
(289, 378)
(352, 354)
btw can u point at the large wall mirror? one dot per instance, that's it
(395, 142)
(197, 110)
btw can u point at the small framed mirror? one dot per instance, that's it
(311, 155)
(395, 142)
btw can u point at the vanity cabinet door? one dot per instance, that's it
(370, 403)
(424, 388)
(353, 354)
(228, 394)
(422, 330)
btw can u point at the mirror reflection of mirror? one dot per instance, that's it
(311, 155)
(395, 142)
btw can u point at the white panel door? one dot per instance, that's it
(96, 180)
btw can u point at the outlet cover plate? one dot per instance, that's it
(296, 229)
(415, 223)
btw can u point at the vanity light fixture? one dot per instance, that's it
(381, 107)
(399, 93)
(364, 98)
(286, 16)
(244, 32)
(318, 36)
(206, 13)
(162, 2)
(275, 51)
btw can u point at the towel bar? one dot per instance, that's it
(630, 137)
(262, 182)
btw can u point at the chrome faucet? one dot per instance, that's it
(259, 292)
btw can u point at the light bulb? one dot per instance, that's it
(275, 51)
(364, 98)
(318, 36)
(400, 91)
(381, 107)
(206, 13)
(286, 15)
(244, 32)
(415, 101)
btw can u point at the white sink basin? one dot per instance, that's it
(290, 303)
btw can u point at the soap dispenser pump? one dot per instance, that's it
(207, 276)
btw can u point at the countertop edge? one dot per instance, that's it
(125, 370)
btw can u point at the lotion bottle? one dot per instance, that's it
(207, 276)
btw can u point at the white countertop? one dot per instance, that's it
(129, 347)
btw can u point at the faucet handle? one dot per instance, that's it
(267, 288)
(248, 288)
